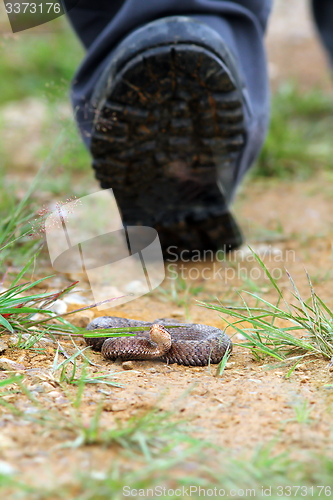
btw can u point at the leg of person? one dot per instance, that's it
(323, 14)
(175, 112)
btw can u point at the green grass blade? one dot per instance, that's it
(6, 324)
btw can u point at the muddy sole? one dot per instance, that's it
(167, 135)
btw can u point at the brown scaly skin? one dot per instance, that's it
(186, 344)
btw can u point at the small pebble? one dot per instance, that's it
(77, 299)
(6, 442)
(21, 358)
(35, 317)
(119, 407)
(127, 365)
(3, 346)
(59, 307)
(229, 365)
(199, 391)
(38, 374)
(37, 388)
(8, 364)
(31, 410)
(177, 313)
(47, 387)
(301, 367)
(107, 406)
(61, 400)
(54, 394)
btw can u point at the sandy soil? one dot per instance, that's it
(251, 403)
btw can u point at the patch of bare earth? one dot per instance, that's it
(251, 403)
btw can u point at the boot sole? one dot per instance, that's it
(167, 135)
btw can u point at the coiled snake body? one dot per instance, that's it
(185, 344)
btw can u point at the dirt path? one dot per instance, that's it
(252, 403)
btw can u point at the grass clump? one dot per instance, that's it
(148, 433)
(308, 324)
(19, 304)
(264, 473)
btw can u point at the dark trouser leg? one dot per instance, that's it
(241, 23)
(90, 18)
(323, 14)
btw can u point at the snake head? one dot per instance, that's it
(160, 336)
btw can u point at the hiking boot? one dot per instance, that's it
(168, 132)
